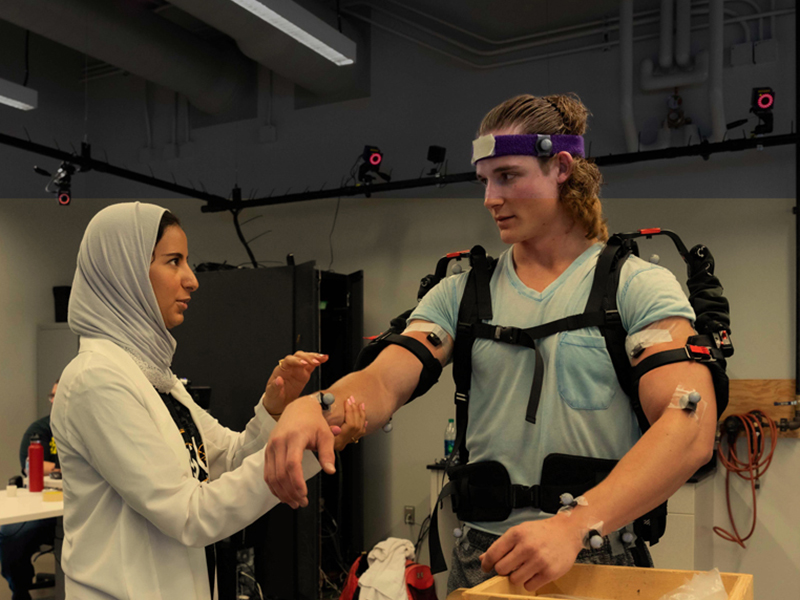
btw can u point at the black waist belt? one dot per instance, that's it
(483, 491)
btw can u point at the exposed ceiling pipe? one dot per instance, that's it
(683, 22)
(542, 39)
(649, 81)
(272, 48)
(575, 49)
(626, 74)
(665, 47)
(602, 24)
(133, 39)
(716, 98)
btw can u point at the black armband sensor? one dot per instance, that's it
(431, 367)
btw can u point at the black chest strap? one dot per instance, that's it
(476, 307)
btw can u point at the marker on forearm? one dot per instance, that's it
(325, 400)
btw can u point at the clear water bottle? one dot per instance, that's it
(449, 437)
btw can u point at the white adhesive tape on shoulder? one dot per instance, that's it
(638, 342)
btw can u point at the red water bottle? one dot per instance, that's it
(35, 465)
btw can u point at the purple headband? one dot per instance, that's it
(536, 144)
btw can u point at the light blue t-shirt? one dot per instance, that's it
(583, 410)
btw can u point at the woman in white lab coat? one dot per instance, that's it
(150, 478)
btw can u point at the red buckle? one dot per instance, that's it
(699, 353)
(651, 231)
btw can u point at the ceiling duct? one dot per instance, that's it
(132, 38)
(272, 48)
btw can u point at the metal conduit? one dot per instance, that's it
(576, 50)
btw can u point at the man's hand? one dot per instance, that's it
(289, 378)
(301, 427)
(536, 552)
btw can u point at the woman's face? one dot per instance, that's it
(171, 277)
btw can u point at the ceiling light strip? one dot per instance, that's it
(17, 96)
(299, 25)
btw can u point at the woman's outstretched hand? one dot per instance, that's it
(354, 426)
(288, 379)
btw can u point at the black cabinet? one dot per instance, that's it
(239, 324)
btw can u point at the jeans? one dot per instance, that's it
(465, 567)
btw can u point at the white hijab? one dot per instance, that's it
(112, 297)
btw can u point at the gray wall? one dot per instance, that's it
(738, 204)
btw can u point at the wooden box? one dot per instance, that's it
(605, 583)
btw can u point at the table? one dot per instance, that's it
(27, 506)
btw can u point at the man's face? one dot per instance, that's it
(51, 396)
(521, 196)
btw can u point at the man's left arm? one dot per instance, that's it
(676, 445)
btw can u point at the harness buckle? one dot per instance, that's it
(724, 343)
(462, 396)
(699, 353)
(508, 335)
(613, 317)
(523, 496)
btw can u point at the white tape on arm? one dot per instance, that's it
(437, 336)
(689, 401)
(638, 342)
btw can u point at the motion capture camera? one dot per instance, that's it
(762, 100)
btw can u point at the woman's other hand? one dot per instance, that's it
(354, 426)
(288, 379)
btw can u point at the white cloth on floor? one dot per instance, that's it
(385, 577)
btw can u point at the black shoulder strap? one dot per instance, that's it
(603, 300)
(476, 306)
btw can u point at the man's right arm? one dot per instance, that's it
(383, 387)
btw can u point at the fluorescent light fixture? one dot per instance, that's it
(298, 23)
(18, 96)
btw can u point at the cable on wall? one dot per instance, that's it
(752, 469)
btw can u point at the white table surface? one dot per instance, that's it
(27, 506)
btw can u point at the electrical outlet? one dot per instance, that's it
(409, 515)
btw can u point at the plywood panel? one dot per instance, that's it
(750, 394)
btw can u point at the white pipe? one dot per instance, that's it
(772, 20)
(716, 98)
(665, 48)
(683, 21)
(604, 46)
(663, 140)
(649, 82)
(135, 40)
(599, 25)
(626, 74)
(550, 37)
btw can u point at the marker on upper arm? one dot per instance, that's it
(688, 400)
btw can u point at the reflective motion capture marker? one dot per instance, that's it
(690, 401)
(595, 540)
(544, 145)
(325, 400)
(628, 537)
